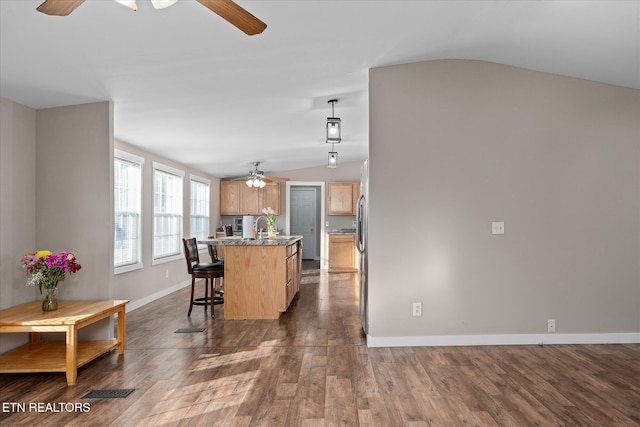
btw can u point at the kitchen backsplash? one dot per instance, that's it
(334, 221)
(340, 221)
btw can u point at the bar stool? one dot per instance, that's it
(207, 271)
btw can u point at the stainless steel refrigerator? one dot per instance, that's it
(362, 226)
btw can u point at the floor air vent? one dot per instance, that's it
(108, 394)
(189, 330)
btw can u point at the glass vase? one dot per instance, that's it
(271, 230)
(50, 300)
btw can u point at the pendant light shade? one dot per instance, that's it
(332, 161)
(255, 182)
(334, 125)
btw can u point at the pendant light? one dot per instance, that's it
(334, 134)
(332, 162)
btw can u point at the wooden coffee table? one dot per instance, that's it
(59, 356)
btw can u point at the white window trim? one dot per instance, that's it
(128, 156)
(168, 169)
(171, 170)
(128, 268)
(133, 158)
(169, 258)
(197, 178)
(200, 179)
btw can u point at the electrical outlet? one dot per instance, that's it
(166, 273)
(497, 227)
(551, 325)
(417, 309)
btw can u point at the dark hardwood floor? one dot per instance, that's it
(312, 368)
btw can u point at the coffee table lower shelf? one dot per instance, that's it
(51, 356)
(63, 355)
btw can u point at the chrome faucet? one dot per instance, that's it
(255, 226)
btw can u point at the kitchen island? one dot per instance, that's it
(261, 276)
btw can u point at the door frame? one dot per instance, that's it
(324, 261)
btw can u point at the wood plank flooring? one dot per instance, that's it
(312, 368)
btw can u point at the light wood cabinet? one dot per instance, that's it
(249, 200)
(342, 253)
(342, 198)
(260, 281)
(294, 264)
(356, 196)
(230, 197)
(236, 198)
(270, 196)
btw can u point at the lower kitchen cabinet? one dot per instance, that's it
(342, 253)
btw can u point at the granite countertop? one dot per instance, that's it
(239, 241)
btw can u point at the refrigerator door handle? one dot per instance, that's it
(359, 225)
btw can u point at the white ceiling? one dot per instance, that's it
(188, 86)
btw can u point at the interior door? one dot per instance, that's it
(303, 219)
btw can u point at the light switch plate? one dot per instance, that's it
(497, 227)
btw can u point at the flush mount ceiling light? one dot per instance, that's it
(333, 126)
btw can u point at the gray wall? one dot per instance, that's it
(457, 144)
(74, 206)
(56, 195)
(17, 206)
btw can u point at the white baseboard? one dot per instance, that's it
(163, 293)
(524, 339)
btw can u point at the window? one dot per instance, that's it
(199, 207)
(167, 213)
(127, 195)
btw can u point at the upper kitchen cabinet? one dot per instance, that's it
(236, 198)
(270, 196)
(342, 198)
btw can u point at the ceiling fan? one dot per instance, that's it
(226, 9)
(257, 178)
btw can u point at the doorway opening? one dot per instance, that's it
(305, 213)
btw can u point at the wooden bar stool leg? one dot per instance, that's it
(193, 284)
(206, 294)
(213, 295)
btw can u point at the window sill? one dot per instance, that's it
(169, 258)
(127, 268)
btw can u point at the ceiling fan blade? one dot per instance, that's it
(276, 178)
(59, 7)
(236, 15)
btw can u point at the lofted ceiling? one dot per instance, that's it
(189, 86)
